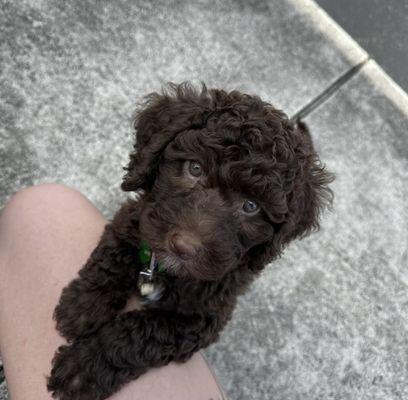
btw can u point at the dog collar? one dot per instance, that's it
(151, 267)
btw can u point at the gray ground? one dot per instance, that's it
(380, 27)
(328, 320)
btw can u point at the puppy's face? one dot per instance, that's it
(228, 180)
(203, 215)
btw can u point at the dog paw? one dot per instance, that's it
(73, 376)
(78, 314)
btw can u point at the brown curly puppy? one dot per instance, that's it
(228, 181)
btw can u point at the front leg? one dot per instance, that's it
(104, 283)
(125, 348)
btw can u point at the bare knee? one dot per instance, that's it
(37, 202)
(46, 193)
(44, 212)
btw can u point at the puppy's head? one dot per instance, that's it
(228, 180)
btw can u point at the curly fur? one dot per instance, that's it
(248, 150)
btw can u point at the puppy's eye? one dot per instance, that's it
(250, 207)
(195, 168)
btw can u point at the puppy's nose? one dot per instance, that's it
(183, 245)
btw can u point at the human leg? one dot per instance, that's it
(46, 235)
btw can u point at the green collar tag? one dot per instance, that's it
(144, 253)
(145, 257)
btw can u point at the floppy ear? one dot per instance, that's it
(307, 195)
(158, 121)
(310, 193)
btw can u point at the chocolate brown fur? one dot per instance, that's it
(248, 150)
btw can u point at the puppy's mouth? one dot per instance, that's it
(168, 258)
(173, 263)
(184, 254)
(198, 267)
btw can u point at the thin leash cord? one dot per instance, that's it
(328, 92)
